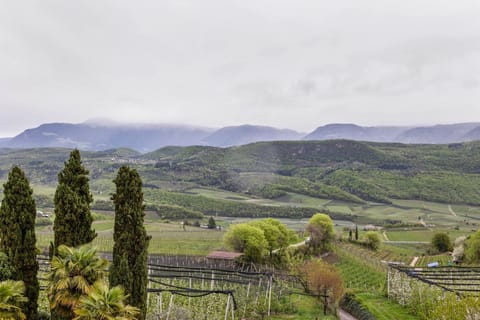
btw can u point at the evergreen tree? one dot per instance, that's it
(73, 220)
(17, 229)
(129, 267)
(211, 223)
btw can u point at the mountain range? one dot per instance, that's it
(145, 138)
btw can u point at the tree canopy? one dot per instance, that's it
(247, 239)
(276, 233)
(372, 240)
(129, 267)
(73, 219)
(211, 223)
(441, 242)
(320, 228)
(18, 241)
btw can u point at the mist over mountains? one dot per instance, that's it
(145, 138)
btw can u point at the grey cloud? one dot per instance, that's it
(291, 64)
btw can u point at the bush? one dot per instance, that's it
(441, 242)
(472, 251)
(372, 240)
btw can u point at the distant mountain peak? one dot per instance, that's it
(98, 134)
(246, 133)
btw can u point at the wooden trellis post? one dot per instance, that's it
(227, 308)
(170, 305)
(270, 293)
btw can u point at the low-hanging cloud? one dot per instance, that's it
(295, 64)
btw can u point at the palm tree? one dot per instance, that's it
(11, 297)
(73, 273)
(103, 303)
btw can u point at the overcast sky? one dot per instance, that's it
(296, 64)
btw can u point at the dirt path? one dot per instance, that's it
(414, 262)
(451, 210)
(385, 236)
(423, 223)
(343, 315)
(294, 245)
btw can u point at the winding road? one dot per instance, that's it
(451, 210)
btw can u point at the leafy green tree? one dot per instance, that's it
(276, 233)
(372, 240)
(320, 228)
(73, 220)
(18, 241)
(211, 223)
(441, 242)
(11, 299)
(103, 303)
(247, 239)
(72, 275)
(129, 267)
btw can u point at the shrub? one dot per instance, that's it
(441, 242)
(372, 240)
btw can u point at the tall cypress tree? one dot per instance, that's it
(17, 229)
(73, 220)
(129, 266)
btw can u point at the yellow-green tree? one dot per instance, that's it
(247, 239)
(320, 229)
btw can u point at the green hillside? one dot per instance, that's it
(348, 171)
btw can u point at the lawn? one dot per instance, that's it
(383, 308)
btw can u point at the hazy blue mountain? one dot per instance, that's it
(239, 135)
(472, 135)
(355, 132)
(145, 138)
(448, 133)
(89, 136)
(4, 142)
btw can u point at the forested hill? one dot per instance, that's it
(334, 169)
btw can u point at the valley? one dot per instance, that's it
(406, 193)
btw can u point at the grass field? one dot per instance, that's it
(421, 235)
(308, 308)
(384, 308)
(168, 238)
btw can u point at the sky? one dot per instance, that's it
(290, 64)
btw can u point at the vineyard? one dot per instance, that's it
(182, 292)
(436, 293)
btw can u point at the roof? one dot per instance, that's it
(223, 255)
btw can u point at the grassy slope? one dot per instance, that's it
(383, 308)
(364, 274)
(342, 170)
